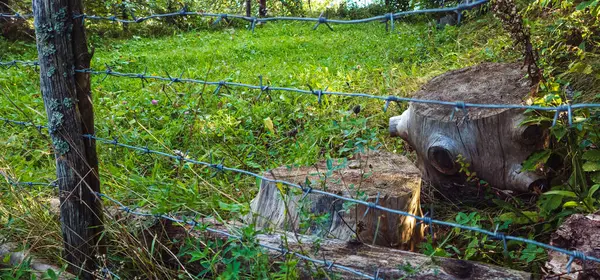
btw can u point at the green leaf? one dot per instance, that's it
(591, 166)
(523, 218)
(559, 132)
(51, 274)
(593, 155)
(561, 193)
(550, 202)
(196, 256)
(533, 160)
(571, 203)
(329, 164)
(595, 177)
(592, 190)
(584, 5)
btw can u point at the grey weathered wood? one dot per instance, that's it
(391, 263)
(393, 177)
(368, 259)
(490, 140)
(80, 215)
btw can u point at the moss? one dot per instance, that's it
(61, 147)
(56, 121)
(53, 104)
(68, 103)
(51, 71)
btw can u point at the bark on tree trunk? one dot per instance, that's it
(262, 11)
(391, 177)
(248, 8)
(61, 49)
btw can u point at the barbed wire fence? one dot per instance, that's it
(388, 19)
(306, 190)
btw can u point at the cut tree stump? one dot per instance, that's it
(391, 177)
(491, 141)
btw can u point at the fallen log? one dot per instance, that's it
(386, 263)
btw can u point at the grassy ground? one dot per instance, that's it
(230, 125)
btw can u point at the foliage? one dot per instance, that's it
(577, 144)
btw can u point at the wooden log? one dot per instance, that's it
(386, 263)
(391, 263)
(80, 214)
(491, 141)
(392, 178)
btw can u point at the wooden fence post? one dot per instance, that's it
(62, 48)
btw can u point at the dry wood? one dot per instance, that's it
(391, 177)
(491, 141)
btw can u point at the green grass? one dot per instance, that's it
(231, 126)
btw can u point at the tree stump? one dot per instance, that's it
(392, 178)
(491, 141)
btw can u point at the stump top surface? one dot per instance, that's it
(486, 83)
(372, 172)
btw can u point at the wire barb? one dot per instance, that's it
(575, 255)
(500, 236)
(372, 205)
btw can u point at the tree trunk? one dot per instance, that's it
(262, 10)
(393, 178)
(61, 48)
(248, 8)
(491, 141)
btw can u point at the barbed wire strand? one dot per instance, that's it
(254, 20)
(458, 105)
